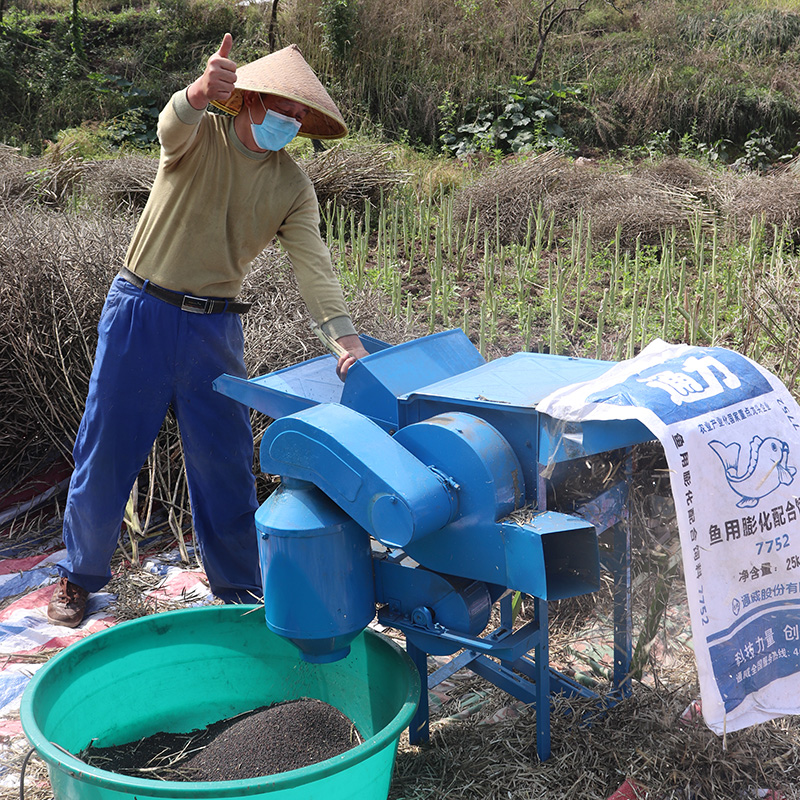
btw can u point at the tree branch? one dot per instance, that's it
(546, 27)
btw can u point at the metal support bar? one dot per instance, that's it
(541, 660)
(463, 660)
(419, 727)
(501, 643)
(623, 623)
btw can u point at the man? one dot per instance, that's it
(170, 325)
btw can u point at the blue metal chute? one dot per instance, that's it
(381, 378)
(385, 488)
(288, 390)
(373, 385)
(567, 560)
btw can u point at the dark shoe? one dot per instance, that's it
(67, 605)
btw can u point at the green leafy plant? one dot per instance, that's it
(659, 143)
(715, 151)
(136, 125)
(689, 147)
(527, 120)
(760, 152)
(448, 109)
(338, 22)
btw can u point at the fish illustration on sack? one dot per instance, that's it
(759, 472)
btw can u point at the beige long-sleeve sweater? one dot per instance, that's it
(215, 205)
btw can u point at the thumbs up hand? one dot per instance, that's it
(218, 79)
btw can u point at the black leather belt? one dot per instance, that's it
(186, 302)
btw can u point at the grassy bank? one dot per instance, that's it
(612, 77)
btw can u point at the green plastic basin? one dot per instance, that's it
(182, 670)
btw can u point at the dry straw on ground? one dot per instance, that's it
(642, 738)
(344, 177)
(645, 200)
(51, 180)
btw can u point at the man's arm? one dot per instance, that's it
(217, 83)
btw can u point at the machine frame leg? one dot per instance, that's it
(623, 645)
(623, 620)
(531, 680)
(419, 727)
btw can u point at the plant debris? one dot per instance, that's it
(642, 737)
(55, 268)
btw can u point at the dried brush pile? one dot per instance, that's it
(55, 269)
(504, 199)
(120, 183)
(642, 208)
(50, 180)
(645, 200)
(643, 203)
(772, 200)
(346, 178)
(680, 173)
(350, 178)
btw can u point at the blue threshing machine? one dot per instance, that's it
(396, 490)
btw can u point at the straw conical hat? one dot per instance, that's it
(285, 73)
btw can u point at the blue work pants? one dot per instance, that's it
(152, 355)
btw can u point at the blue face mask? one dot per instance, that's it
(276, 131)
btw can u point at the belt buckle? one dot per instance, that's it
(197, 305)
